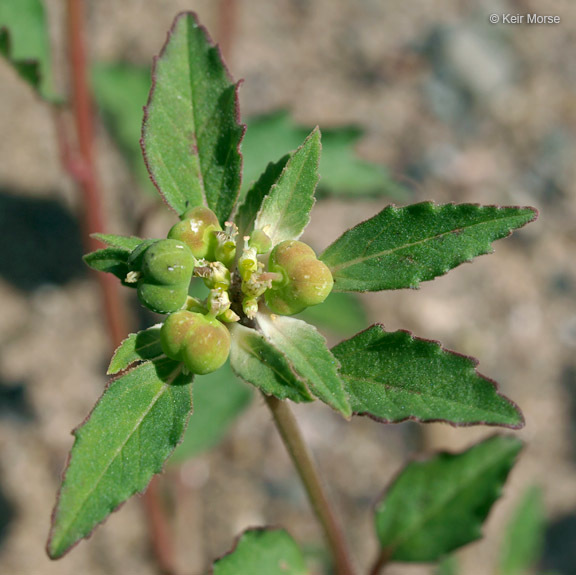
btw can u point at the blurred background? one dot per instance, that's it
(456, 109)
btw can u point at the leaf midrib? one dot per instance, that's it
(411, 392)
(280, 374)
(155, 399)
(274, 192)
(362, 259)
(193, 96)
(402, 537)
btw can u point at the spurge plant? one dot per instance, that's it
(246, 254)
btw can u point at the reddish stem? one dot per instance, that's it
(158, 526)
(81, 166)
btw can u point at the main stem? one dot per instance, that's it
(302, 459)
(82, 167)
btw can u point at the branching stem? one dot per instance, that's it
(301, 457)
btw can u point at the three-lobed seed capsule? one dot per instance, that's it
(201, 342)
(197, 230)
(306, 281)
(166, 268)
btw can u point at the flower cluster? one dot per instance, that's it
(287, 277)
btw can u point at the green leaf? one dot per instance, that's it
(524, 537)
(251, 206)
(137, 347)
(285, 211)
(438, 505)
(131, 431)
(262, 551)
(340, 313)
(401, 247)
(259, 362)
(394, 376)
(127, 243)
(312, 361)
(191, 132)
(109, 260)
(121, 90)
(25, 43)
(219, 398)
(343, 172)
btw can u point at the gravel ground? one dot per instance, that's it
(459, 110)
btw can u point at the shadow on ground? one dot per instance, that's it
(41, 242)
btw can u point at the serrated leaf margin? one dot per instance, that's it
(474, 362)
(69, 458)
(146, 108)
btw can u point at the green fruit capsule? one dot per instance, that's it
(306, 280)
(162, 298)
(168, 262)
(196, 230)
(202, 343)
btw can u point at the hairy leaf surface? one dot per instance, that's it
(306, 351)
(131, 431)
(219, 398)
(401, 247)
(259, 362)
(191, 132)
(285, 211)
(25, 43)
(262, 551)
(438, 505)
(127, 243)
(394, 376)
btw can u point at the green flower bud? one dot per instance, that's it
(247, 262)
(226, 249)
(215, 275)
(256, 285)
(197, 230)
(306, 280)
(168, 262)
(250, 307)
(162, 298)
(218, 302)
(201, 342)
